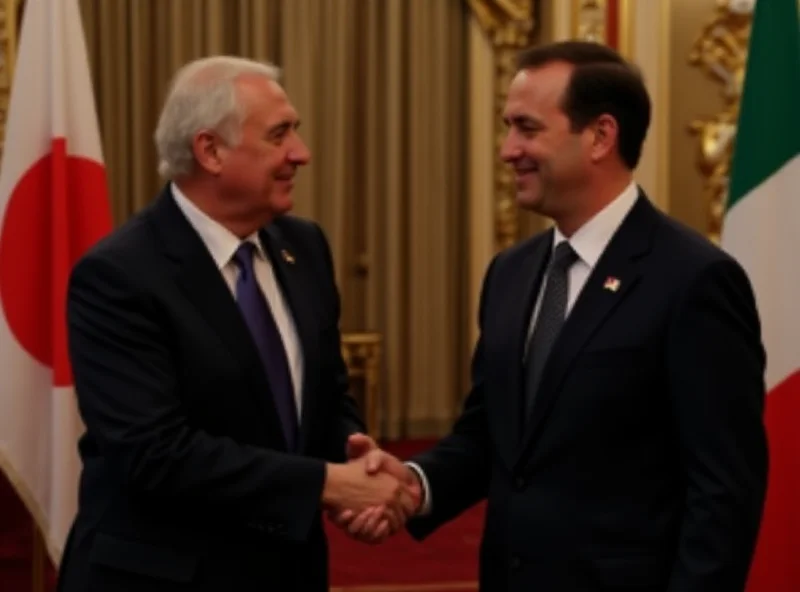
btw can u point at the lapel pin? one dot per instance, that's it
(612, 284)
(287, 256)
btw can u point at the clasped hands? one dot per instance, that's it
(373, 494)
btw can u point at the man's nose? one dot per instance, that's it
(299, 153)
(510, 150)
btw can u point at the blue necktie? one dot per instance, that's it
(261, 323)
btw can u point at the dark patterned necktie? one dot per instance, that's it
(548, 322)
(267, 338)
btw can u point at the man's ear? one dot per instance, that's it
(605, 131)
(208, 151)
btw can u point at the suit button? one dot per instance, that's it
(519, 483)
(516, 562)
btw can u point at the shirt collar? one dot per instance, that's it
(592, 238)
(220, 242)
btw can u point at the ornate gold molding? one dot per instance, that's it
(8, 54)
(590, 20)
(720, 50)
(508, 25)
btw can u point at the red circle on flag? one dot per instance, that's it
(58, 209)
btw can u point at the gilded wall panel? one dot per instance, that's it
(709, 48)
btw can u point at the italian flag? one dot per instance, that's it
(53, 206)
(762, 230)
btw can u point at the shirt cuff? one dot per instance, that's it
(425, 509)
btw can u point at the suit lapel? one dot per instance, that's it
(202, 283)
(612, 280)
(297, 286)
(520, 306)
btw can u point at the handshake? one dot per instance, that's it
(373, 494)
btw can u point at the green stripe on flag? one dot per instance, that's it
(768, 133)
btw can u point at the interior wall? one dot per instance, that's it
(692, 94)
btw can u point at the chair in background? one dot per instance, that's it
(362, 353)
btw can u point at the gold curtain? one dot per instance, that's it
(381, 88)
(380, 85)
(134, 47)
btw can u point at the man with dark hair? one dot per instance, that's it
(615, 417)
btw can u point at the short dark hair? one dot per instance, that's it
(601, 82)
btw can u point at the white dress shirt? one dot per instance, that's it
(222, 245)
(589, 242)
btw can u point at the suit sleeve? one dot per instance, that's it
(348, 419)
(125, 378)
(716, 369)
(457, 468)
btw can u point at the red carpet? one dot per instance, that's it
(16, 544)
(445, 562)
(448, 556)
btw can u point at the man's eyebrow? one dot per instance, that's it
(283, 126)
(522, 120)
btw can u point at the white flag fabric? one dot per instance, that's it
(762, 230)
(53, 206)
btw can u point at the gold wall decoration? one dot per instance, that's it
(605, 21)
(720, 50)
(590, 20)
(8, 52)
(509, 26)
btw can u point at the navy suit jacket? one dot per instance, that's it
(643, 465)
(186, 481)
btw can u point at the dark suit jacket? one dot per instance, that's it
(187, 483)
(643, 465)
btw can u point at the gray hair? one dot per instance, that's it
(202, 95)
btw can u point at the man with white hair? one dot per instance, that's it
(205, 346)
